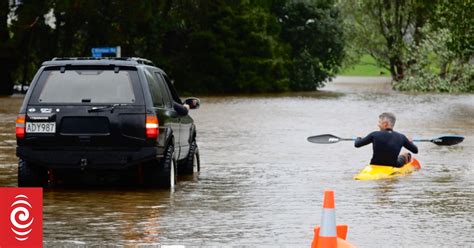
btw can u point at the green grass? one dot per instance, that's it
(366, 67)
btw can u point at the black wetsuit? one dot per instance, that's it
(387, 145)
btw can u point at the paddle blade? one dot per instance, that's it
(324, 139)
(447, 140)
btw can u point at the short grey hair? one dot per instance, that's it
(389, 117)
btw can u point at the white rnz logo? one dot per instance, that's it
(20, 217)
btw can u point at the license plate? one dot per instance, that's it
(41, 127)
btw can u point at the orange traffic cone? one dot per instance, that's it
(328, 235)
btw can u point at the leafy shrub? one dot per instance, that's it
(433, 67)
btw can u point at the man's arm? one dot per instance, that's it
(363, 141)
(410, 145)
(181, 109)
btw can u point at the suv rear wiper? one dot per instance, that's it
(110, 107)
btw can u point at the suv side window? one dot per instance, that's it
(155, 92)
(165, 92)
(173, 92)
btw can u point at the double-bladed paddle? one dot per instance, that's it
(447, 140)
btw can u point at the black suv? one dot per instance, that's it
(106, 114)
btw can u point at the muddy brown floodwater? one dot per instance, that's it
(262, 183)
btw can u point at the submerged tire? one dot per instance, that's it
(31, 176)
(169, 173)
(163, 173)
(192, 163)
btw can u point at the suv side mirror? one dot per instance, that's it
(193, 102)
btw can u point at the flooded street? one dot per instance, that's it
(261, 183)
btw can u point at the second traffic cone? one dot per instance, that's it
(328, 235)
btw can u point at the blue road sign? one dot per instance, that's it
(98, 51)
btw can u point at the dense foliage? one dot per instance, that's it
(424, 74)
(206, 46)
(315, 33)
(426, 45)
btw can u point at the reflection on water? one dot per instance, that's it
(105, 216)
(262, 183)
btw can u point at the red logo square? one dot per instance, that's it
(21, 217)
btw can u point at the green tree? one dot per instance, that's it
(206, 46)
(82, 25)
(7, 56)
(458, 17)
(425, 59)
(314, 32)
(30, 38)
(228, 47)
(384, 29)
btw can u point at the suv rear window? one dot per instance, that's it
(87, 86)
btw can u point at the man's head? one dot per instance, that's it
(386, 120)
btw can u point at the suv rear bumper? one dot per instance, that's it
(81, 158)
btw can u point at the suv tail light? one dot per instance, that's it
(152, 127)
(20, 126)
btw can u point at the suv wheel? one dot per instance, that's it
(169, 175)
(162, 174)
(191, 164)
(173, 175)
(31, 176)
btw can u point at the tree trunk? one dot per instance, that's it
(397, 68)
(392, 70)
(400, 69)
(26, 59)
(7, 64)
(443, 70)
(6, 68)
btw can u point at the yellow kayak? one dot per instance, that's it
(375, 172)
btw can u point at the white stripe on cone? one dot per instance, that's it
(328, 223)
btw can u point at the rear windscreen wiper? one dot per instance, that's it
(110, 107)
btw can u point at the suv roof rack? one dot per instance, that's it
(136, 59)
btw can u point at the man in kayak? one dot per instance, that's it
(387, 143)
